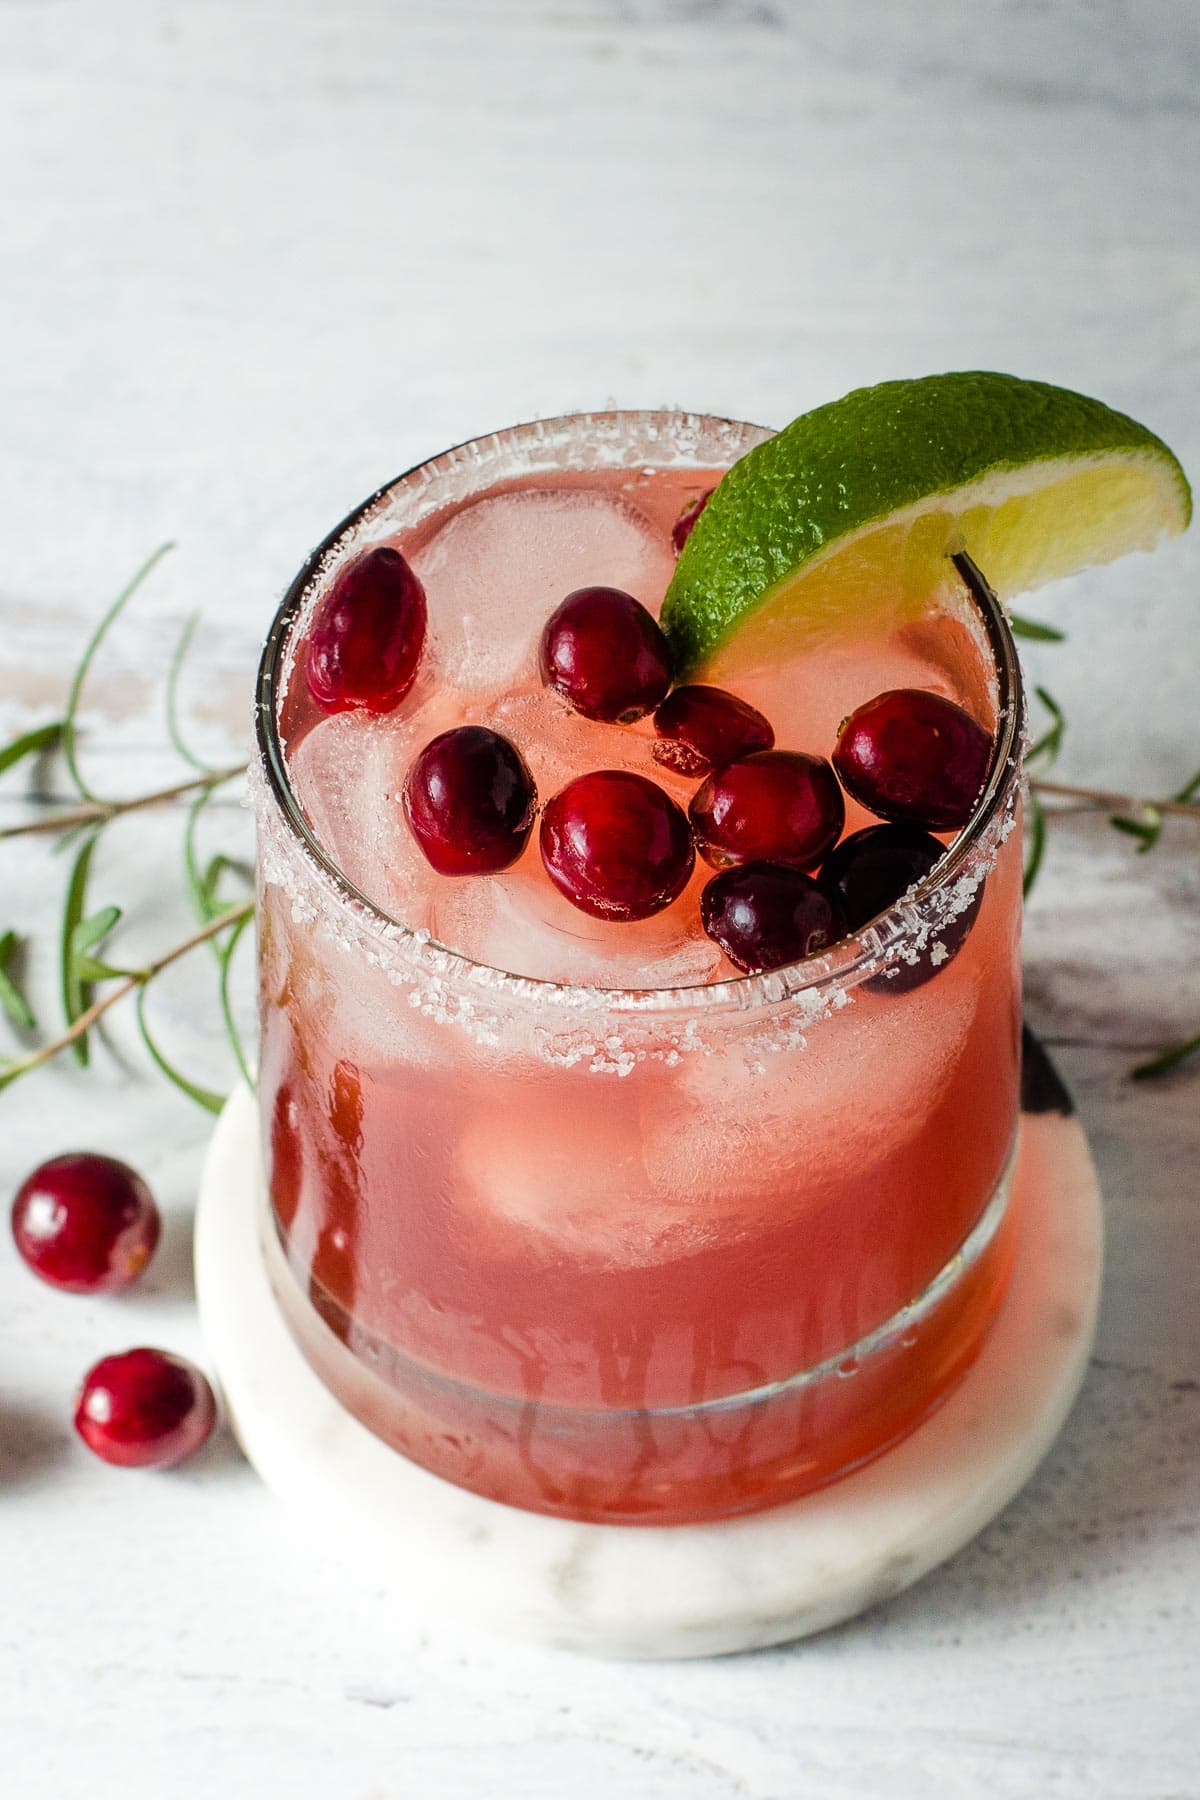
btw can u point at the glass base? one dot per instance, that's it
(676, 1464)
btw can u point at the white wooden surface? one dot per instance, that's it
(254, 257)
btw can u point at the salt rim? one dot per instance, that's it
(452, 989)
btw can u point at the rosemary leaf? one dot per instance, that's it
(231, 1030)
(206, 1097)
(12, 999)
(1050, 742)
(1166, 1060)
(1146, 829)
(1037, 843)
(174, 731)
(30, 743)
(90, 932)
(85, 663)
(1035, 630)
(1189, 791)
(75, 990)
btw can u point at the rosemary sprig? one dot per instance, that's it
(129, 983)
(221, 917)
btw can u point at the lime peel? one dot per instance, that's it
(853, 509)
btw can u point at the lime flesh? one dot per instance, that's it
(851, 512)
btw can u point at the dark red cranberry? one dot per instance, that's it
(85, 1223)
(470, 800)
(914, 758)
(144, 1409)
(703, 728)
(616, 845)
(605, 654)
(778, 806)
(367, 635)
(766, 914)
(685, 524)
(868, 873)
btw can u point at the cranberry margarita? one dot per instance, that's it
(639, 1064)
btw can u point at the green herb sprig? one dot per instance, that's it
(91, 981)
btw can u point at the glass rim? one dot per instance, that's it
(851, 959)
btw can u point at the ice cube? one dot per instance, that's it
(497, 569)
(580, 1191)
(752, 1115)
(520, 922)
(347, 773)
(559, 743)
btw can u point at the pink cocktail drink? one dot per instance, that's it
(573, 1212)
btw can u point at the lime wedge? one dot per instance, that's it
(851, 512)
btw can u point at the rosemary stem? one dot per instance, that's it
(1101, 798)
(139, 978)
(99, 812)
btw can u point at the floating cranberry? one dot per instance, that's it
(616, 845)
(703, 728)
(914, 758)
(869, 871)
(777, 806)
(685, 524)
(605, 654)
(470, 800)
(85, 1223)
(144, 1409)
(766, 914)
(367, 635)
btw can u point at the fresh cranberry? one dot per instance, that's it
(367, 635)
(870, 870)
(144, 1409)
(85, 1223)
(777, 806)
(616, 845)
(685, 524)
(914, 758)
(470, 800)
(605, 654)
(703, 728)
(766, 914)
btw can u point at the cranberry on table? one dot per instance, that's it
(606, 655)
(616, 845)
(702, 728)
(145, 1409)
(778, 806)
(85, 1223)
(870, 870)
(914, 758)
(366, 638)
(685, 524)
(470, 801)
(766, 914)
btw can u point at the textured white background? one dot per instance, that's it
(255, 257)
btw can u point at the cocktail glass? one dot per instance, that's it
(641, 1254)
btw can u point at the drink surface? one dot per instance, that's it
(577, 1266)
(493, 572)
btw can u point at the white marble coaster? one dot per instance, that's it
(679, 1590)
